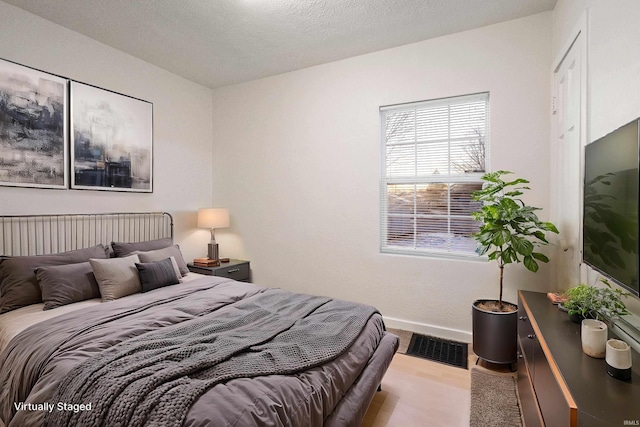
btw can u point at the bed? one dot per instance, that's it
(205, 351)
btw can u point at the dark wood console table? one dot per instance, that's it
(558, 384)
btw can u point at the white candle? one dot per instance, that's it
(618, 354)
(594, 338)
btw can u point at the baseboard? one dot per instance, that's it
(423, 328)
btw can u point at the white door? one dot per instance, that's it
(568, 141)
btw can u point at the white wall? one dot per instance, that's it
(613, 70)
(297, 162)
(182, 125)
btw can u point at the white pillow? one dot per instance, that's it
(116, 277)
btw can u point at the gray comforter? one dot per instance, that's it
(39, 359)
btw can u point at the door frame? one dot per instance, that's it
(579, 34)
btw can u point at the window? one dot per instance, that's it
(433, 155)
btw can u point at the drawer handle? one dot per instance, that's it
(531, 336)
(522, 317)
(233, 270)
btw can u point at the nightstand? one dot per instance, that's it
(235, 269)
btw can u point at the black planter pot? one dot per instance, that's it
(495, 335)
(576, 317)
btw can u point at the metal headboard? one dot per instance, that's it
(45, 234)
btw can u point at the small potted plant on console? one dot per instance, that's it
(594, 302)
(510, 232)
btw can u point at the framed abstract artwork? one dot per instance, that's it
(111, 140)
(33, 128)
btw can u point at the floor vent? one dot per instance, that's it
(439, 350)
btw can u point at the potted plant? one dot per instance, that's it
(592, 302)
(510, 232)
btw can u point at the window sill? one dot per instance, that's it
(435, 254)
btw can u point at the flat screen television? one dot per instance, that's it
(610, 220)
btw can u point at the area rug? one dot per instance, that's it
(494, 399)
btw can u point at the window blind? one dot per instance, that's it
(433, 155)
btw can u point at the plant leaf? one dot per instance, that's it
(530, 264)
(540, 257)
(549, 227)
(522, 245)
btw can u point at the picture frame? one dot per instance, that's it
(33, 127)
(111, 140)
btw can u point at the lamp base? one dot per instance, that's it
(212, 251)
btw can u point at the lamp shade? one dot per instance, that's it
(213, 218)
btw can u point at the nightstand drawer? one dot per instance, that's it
(238, 272)
(235, 269)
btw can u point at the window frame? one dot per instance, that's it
(385, 180)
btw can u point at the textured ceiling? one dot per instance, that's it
(221, 42)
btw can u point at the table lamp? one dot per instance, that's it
(213, 218)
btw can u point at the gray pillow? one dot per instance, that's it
(122, 249)
(66, 284)
(18, 281)
(157, 274)
(174, 264)
(116, 277)
(160, 254)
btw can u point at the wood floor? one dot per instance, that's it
(418, 392)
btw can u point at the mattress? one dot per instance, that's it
(40, 349)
